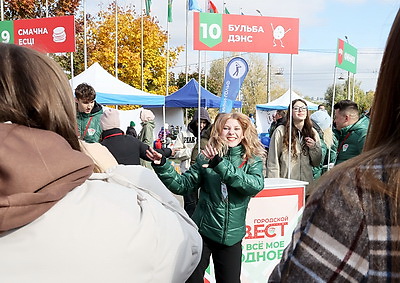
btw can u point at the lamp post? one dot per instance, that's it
(268, 69)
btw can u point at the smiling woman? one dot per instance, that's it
(232, 132)
(228, 173)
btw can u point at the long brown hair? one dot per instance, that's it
(383, 139)
(35, 92)
(250, 142)
(307, 130)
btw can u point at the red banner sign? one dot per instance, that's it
(51, 35)
(239, 33)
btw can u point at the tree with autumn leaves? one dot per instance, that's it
(29, 9)
(100, 43)
(102, 48)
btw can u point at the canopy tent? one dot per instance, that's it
(111, 91)
(265, 112)
(282, 103)
(188, 96)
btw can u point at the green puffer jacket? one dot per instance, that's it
(221, 220)
(93, 131)
(351, 139)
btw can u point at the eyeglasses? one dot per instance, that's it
(300, 109)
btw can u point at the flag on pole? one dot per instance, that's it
(226, 11)
(211, 7)
(170, 11)
(148, 5)
(194, 5)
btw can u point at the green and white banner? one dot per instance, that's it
(346, 57)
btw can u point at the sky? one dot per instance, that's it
(365, 23)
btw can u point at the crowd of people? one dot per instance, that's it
(77, 203)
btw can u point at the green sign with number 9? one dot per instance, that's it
(7, 32)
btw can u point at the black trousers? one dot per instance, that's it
(190, 201)
(227, 262)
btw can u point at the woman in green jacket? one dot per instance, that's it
(228, 173)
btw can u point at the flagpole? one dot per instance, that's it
(116, 39)
(268, 77)
(167, 81)
(332, 111)
(290, 116)
(223, 52)
(199, 93)
(186, 52)
(141, 43)
(2, 10)
(199, 106)
(167, 66)
(205, 69)
(84, 35)
(72, 70)
(186, 42)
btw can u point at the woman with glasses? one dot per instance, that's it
(305, 146)
(350, 229)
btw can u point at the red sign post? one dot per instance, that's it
(239, 33)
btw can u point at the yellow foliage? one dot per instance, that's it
(102, 43)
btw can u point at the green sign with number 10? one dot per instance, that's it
(210, 29)
(7, 32)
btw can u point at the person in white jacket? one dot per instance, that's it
(187, 138)
(59, 221)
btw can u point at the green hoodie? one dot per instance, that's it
(92, 122)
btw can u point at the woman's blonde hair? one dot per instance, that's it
(251, 144)
(35, 92)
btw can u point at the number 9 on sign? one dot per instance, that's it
(5, 36)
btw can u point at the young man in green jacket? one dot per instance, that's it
(350, 131)
(88, 113)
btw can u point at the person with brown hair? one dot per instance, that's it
(279, 119)
(305, 146)
(350, 229)
(350, 130)
(88, 113)
(59, 221)
(228, 173)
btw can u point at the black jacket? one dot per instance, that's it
(193, 127)
(127, 149)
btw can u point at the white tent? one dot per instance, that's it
(265, 112)
(282, 103)
(111, 91)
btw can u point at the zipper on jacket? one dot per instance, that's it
(226, 219)
(226, 201)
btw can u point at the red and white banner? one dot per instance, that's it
(240, 33)
(50, 35)
(272, 216)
